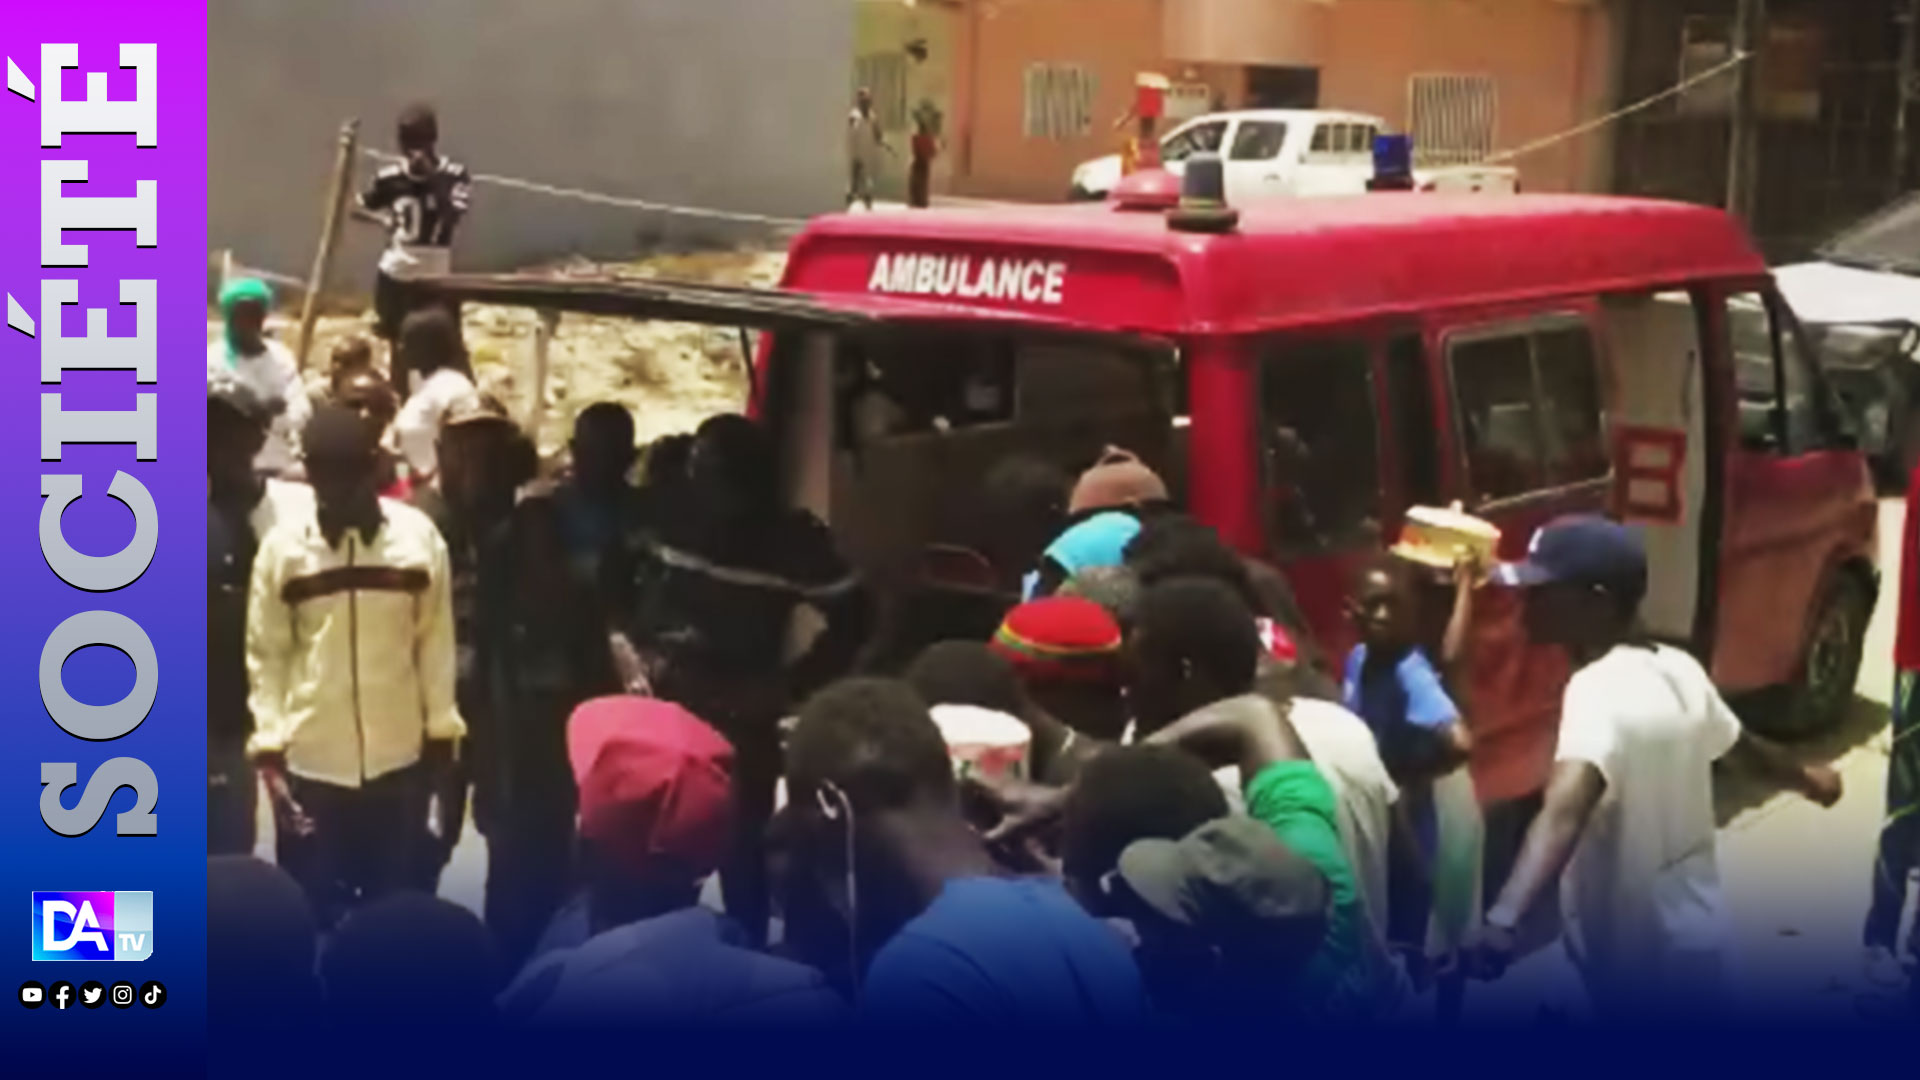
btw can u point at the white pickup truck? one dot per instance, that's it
(1279, 153)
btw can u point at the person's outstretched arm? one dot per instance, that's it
(1770, 760)
(1249, 739)
(1572, 795)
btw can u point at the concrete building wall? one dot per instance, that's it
(732, 104)
(884, 30)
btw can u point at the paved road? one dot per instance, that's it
(1796, 875)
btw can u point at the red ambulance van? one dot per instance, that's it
(1304, 375)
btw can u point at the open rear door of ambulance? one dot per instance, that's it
(890, 505)
(1663, 463)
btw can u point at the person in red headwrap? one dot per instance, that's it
(656, 818)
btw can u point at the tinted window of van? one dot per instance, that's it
(894, 391)
(1530, 410)
(1073, 380)
(1416, 443)
(1493, 386)
(1571, 405)
(1773, 370)
(1320, 445)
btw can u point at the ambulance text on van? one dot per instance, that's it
(1007, 280)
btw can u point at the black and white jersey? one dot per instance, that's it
(424, 209)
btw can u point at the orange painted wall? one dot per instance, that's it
(1115, 38)
(1548, 67)
(1550, 60)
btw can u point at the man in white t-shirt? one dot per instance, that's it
(1628, 828)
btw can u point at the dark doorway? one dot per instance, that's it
(1283, 88)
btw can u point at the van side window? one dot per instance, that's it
(894, 391)
(1530, 410)
(1320, 445)
(1410, 399)
(1572, 406)
(1322, 139)
(1493, 382)
(1812, 420)
(1073, 381)
(1782, 407)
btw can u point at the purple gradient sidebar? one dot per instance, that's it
(166, 600)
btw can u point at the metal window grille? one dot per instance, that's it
(1059, 101)
(1453, 118)
(886, 75)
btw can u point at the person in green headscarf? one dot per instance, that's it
(243, 305)
(264, 366)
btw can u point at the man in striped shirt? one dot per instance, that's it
(351, 666)
(715, 584)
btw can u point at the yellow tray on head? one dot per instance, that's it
(1438, 538)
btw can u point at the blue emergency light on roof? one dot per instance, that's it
(1203, 198)
(1392, 163)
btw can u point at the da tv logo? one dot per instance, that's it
(92, 925)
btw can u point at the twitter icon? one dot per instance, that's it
(92, 994)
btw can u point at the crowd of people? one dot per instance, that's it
(412, 628)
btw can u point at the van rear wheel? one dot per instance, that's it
(1818, 701)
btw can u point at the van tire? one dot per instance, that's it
(1818, 700)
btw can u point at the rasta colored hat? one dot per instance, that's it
(1061, 639)
(1118, 480)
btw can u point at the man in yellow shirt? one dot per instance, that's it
(350, 661)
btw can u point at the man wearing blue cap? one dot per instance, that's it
(1628, 828)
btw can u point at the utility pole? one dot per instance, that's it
(1904, 97)
(1743, 149)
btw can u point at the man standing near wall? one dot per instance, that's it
(419, 200)
(865, 140)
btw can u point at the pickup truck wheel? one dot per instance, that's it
(1830, 667)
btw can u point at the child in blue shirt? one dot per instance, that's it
(1392, 682)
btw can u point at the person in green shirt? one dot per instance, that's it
(1194, 654)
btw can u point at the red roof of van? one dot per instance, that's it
(1295, 262)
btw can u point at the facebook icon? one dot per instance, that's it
(92, 925)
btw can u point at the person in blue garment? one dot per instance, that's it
(954, 942)
(597, 500)
(1392, 682)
